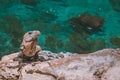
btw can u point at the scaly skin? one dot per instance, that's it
(29, 48)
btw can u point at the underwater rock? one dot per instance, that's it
(87, 22)
(115, 5)
(101, 65)
(29, 2)
(53, 43)
(5, 43)
(13, 27)
(97, 44)
(7, 2)
(80, 42)
(115, 41)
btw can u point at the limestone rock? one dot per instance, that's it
(101, 65)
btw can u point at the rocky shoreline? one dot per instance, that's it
(100, 65)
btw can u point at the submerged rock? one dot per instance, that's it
(13, 28)
(100, 65)
(29, 2)
(115, 5)
(5, 41)
(87, 22)
(115, 41)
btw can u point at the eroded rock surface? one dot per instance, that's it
(100, 65)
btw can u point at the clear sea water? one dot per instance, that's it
(52, 18)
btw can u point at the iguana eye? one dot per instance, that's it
(29, 32)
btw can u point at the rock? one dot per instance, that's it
(54, 43)
(29, 2)
(5, 41)
(115, 5)
(115, 41)
(12, 28)
(101, 65)
(9, 57)
(87, 22)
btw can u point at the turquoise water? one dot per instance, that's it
(52, 18)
